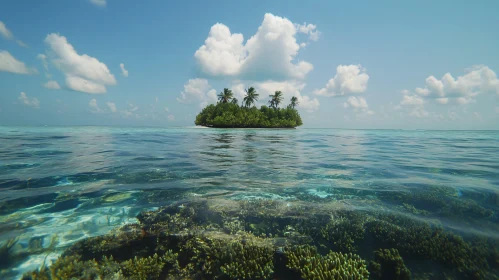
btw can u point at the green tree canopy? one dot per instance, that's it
(225, 96)
(276, 99)
(251, 96)
(294, 102)
(227, 112)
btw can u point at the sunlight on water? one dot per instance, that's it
(62, 185)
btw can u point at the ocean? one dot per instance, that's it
(421, 193)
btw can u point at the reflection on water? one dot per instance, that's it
(61, 185)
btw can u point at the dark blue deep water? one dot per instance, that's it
(77, 182)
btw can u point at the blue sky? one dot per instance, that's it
(368, 64)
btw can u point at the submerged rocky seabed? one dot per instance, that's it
(296, 234)
(111, 203)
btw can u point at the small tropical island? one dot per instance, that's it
(227, 113)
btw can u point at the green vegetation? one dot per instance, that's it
(218, 238)
(388, 264)
(227, 112)
(312, 265)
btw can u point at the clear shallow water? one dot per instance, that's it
(78, 182)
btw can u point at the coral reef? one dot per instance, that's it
(312, 265)
(264, 239)
(420, 240)
(342, 232)
(388, 264)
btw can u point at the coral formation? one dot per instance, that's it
(312, 265)
(264, 239)
(388, 264)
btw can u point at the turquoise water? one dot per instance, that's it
(79, 182)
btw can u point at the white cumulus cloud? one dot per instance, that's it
(358, 104)
(413, 105)
(269, 54)
(83, 72)
(8, 63)
(412, 100)
(349, 79)
(289, 89)
(478, 79)
(124, 72)
(30, 102)
(310, 29)
(111, 106)
(52, 85)
(198, 91)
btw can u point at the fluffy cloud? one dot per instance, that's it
(349, 79)
(289, 89)
(448, 90)
(8, 63)
(94, 107)
(99, 3)
(222, 53)
(83, 73)
(111, 106)
(52, 85)
(269, 54)
(358, 104)
(124, 72)
(310, 29)
(5, 32)
(413, 100)
(239, 90)
(30, 102)
(198, 90)
(413, 104)
(84, 85)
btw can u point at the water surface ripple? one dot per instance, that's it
(76, 182)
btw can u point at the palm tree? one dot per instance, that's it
(251, 96)
(225, 96)
(234, 101)
(294, 102)
(275, 99)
